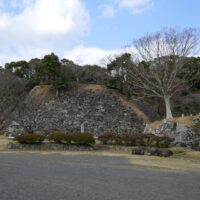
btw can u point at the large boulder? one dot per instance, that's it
(153, 151)
(138, 150)
(184, 135)
(165, 153)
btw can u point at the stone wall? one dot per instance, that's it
(99, 110)
(181, 133)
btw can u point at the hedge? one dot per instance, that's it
(33, 138)
(73, 139)
(135, 140)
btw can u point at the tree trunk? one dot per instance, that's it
(168, 107)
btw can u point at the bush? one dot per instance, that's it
(33, 138)
(76, 138)
(111, 139)
(138, 139)
(60, 137)
(83, 139)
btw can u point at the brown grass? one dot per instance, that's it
(3, 143)
(41, 94)
(174, 164)
(93, 87)
(187, 120)
(132, 105)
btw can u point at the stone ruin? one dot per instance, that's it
(182, 134)
(93, 111)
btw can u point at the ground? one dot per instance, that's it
(98, 175)
(3, 143)
(57, 176)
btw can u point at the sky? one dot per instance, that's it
(86, 31)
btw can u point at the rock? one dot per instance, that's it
(153, 152)
(185, 136)
(196, 120)
(180, 134)
(165, 153)
(167, 128)
(138, 150)
(196, 148)
(14, 128)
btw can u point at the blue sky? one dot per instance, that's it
(85, 31)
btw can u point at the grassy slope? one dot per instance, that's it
(187, 120)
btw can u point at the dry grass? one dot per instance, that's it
(187, 120)
(172, 164)
(186, 153)
(3, 143)
(125, 101)
(93, 87)
(41, 94)
(155, 124)
(183, 160)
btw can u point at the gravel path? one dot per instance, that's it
(25, 176)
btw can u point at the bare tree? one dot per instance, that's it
(163, 56)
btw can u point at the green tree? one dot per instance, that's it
(93, 74)
(19, 68)
(191, 72)
(49, 69)
(118, 72)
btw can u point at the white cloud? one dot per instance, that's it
(91, 55)
(135, 6)
(108, 11)
(40, 25)
(23, 54)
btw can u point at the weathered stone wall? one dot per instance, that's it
(99, 110)
(180, 132)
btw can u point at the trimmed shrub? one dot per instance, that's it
(74, 139)
(110, 139)
(60, 137)
(33, 138)
(163, 142)
(133, 140)
(138, 139)
(83, 139)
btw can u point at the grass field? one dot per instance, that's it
(183, 159)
